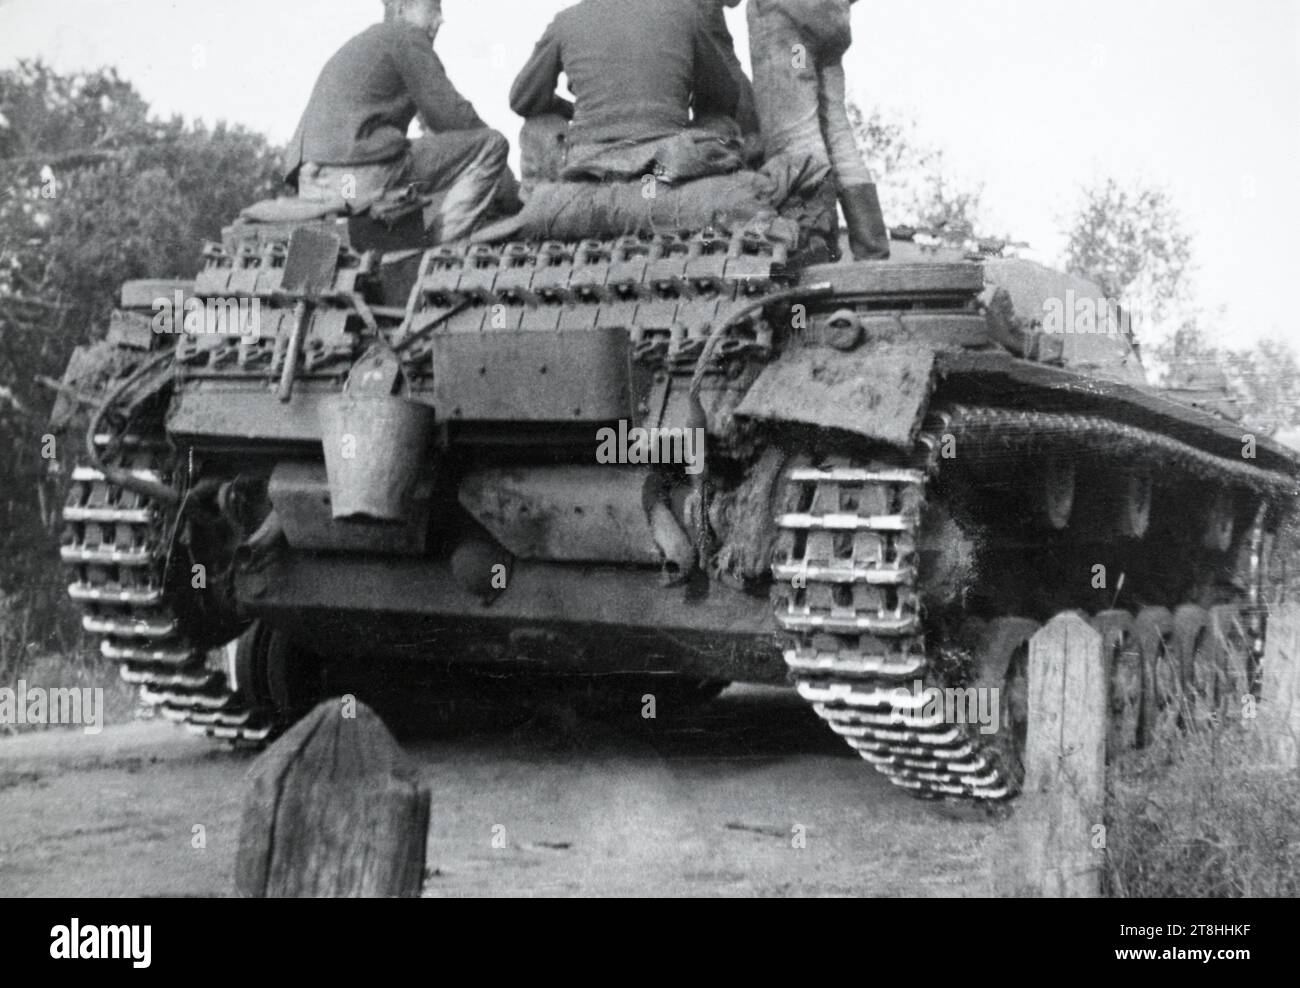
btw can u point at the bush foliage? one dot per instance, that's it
(94, 191)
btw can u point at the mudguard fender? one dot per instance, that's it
(880, 392)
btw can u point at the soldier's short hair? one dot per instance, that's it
(391, 7)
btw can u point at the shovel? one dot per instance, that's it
(308, 271)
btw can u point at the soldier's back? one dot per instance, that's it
(630, 65)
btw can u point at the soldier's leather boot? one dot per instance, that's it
(868, 235)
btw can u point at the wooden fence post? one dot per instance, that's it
(1049, 846)
(333, 809)
(1279, 707)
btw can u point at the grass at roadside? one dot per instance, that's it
(1200, 816)
(50, 672)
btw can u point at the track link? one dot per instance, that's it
(845, 597)
(845, 594)
(115, 549)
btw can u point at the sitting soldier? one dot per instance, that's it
(797, 49)
(351, 143)
(638, 70)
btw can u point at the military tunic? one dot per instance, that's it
(352, 139)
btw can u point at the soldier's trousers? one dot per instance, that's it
(467, 166)
(800, 96)
(465, 171)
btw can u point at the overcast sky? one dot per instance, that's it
(1034, 98)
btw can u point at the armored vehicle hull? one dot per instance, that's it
(687, 460)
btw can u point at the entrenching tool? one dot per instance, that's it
(308, 271)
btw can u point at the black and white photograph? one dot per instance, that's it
(650, 449)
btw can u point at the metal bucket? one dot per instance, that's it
(375, 449)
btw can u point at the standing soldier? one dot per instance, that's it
(797, 48)
(352, 142)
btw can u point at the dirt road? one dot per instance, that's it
(715, 802)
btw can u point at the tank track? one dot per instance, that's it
(845, 593)
(1022, 431)
(1004, 429)
(115, 548)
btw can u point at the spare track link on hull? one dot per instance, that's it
(115, 548)
(846, 599)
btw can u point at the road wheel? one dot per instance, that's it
(1233, 648)
(1194, 644)
(272, 672)
(1123, 655)
(1161, 678)
(1003, 662)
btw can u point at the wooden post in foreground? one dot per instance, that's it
(1279, 706)
(333, 809)
(1050, 847)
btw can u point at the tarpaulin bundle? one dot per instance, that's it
(779, 201)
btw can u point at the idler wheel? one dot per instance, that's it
(1123, 655)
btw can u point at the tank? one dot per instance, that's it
(660, 463)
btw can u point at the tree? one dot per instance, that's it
(94, 191)
(1132, 243)
(917, 188)
(1264, 380)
